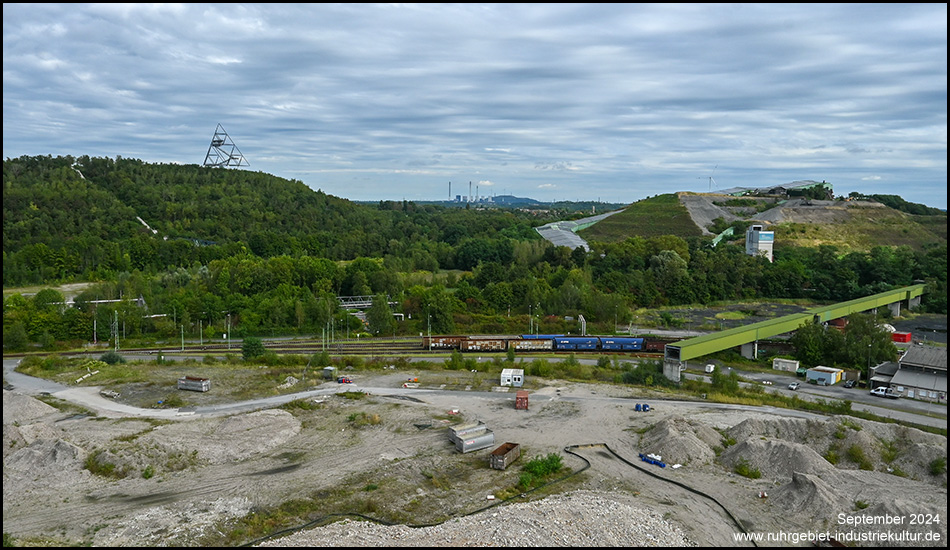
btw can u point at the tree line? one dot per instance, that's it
(186, 250)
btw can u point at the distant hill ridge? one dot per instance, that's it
(846, 224)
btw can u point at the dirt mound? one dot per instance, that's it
(19, 408)
(807, 492)
(44, 455)
(792, 429)
(681, 441)
(851, 444)
(776, 459)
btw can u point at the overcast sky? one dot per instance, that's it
(611, 102)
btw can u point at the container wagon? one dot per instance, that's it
(443, 342)
(533, 344)
(484, 344)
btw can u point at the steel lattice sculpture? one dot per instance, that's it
(223, 151)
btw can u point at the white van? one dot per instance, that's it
(884, 392)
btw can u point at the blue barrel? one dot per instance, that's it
(646, 407)
(637, 408)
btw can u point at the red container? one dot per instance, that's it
(901, 337)
(521, 400)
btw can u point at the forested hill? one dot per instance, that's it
(67, 217)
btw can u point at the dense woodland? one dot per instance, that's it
(187, 248)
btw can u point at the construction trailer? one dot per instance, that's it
(823, 376)
(787, 365)
(512, 377)
(521, 400)
(193, 383)
(475, 441)
(504, 455)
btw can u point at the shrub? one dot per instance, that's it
(544, 466)
(112, 358)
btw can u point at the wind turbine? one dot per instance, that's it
(711, 180)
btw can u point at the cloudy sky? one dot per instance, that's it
(611, 102)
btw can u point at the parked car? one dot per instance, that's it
(884, 392)
(793, 386)
(850, 383)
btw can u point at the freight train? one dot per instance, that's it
(546, 342)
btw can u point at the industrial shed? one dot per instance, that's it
(922, 374)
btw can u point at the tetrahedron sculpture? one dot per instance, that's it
(223, 151)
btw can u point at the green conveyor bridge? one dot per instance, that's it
(692, 348)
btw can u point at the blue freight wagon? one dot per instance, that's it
(621, 344)
(577, 343)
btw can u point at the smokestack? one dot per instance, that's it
(469, 191)
(450, 190)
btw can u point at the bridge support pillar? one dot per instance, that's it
(751, 350)
(895, 309)
(672, 369)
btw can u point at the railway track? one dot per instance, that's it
(409, 346)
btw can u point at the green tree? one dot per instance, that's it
(15, 337)
(380, 316)
(252, 348)
(809, 344)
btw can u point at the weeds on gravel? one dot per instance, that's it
(361, 419)
(856, 454)
(831, 455)
(938, 466)
(744, 469)
(97, 466)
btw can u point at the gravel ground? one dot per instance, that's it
(190, 478)
(582, 518)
